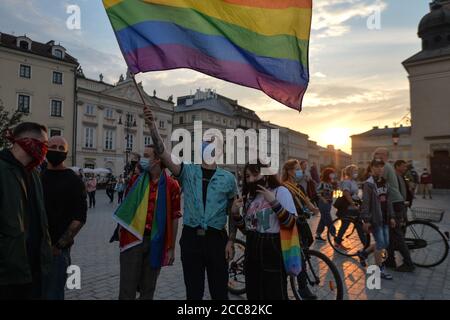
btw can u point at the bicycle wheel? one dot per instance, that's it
(350, 238)
(322, 277)
(428, 246)
(236, 276)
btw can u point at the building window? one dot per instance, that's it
(130, 120)
(109, 113)
(56, 109)
(224, 121)
(109, 139)
(161, 124)
(55, 132)
(58, 53)
(148, 141)
(24, 103)
(130, 140)
(24, 45)
(181, 120)
(25, 71)
(89, 136)
(90, 109)
(194, 117)
(57, 77)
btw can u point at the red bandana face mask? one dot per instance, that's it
(36, 149)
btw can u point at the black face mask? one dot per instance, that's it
(253, 186)
(56, 157)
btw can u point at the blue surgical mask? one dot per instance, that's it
(205, 144)
(145, 164)
(298, 174)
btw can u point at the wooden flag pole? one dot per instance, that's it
(138, 89)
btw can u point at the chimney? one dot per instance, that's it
(375, 128)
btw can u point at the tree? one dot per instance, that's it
(7, 121)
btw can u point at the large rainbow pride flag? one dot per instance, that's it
(262, 44)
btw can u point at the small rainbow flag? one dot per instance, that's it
(262, 44)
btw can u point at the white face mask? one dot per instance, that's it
(355, 176)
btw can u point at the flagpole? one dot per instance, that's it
(138, 89)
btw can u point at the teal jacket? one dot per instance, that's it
(14, 266)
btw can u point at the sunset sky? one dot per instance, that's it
(357, 80)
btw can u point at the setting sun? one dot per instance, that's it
(339, 137)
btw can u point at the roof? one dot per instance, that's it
(42, 49)
(428, 54)
(379, 132)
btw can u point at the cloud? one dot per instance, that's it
(331, 17)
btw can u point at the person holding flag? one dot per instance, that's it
(208, 192)
(148, 220)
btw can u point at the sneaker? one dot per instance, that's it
(340, 246)
(385, 275)
(362, 255)
(405, 268)
(306, 294)
(319, 238)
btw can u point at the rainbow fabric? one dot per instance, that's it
(262, 44)
(290, 248)
(132, 215)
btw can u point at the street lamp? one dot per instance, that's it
(130, 122)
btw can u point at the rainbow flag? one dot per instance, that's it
(262, 44)
(290, 248)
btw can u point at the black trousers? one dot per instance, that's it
(397, 236)
(91, 199)
(200, 253)
(265, 275)
(110, 194)
(120, 195)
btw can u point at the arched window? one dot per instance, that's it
(24, 45)
(58, 53)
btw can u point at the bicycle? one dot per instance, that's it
(428, 246)
(324, 284)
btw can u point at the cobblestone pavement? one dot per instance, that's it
(99, 263)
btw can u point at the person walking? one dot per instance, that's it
(325, 191)
(91, 187)
(111, 188)
(66, 207)
(208, 193)
(120, 188)
(377, 216)
(426, 183)
(25, 247)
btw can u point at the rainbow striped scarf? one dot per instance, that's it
(132, 215)
(261, 44)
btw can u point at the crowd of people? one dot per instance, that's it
(42, 212)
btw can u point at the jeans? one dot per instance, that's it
(265, 276)
(397, 237)
(91, 199)
(120, 195)
(381, 235)
(136, 273)
(200, 253)
(110, 194)
(325, 218)
(55, 281)
(346, 223)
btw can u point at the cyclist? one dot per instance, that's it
(350, 189)
(377, 215)
(267, 207)
(303, 206)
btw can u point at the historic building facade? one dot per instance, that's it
(38, 79)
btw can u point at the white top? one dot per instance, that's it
(352, 187)
(259, 215)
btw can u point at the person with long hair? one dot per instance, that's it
(325, 191)
(267, 207)
(304, 206)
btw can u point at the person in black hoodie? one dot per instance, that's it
(25, 251)
(66, 206)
